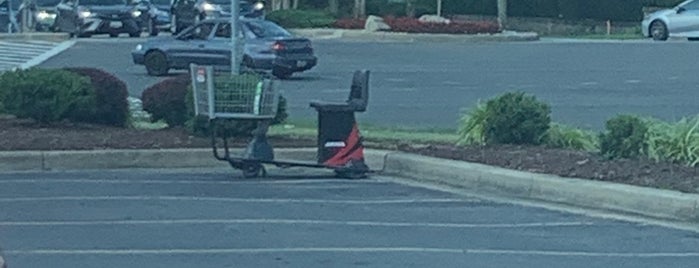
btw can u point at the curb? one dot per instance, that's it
(483, 179)
(36, 36)
(476, 178)
(362, 35)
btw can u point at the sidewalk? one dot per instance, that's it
(362, 35)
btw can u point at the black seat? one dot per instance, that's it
(358, 97)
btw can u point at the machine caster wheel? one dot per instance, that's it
(254, 171)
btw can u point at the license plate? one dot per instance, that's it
(301, 63)
(115, 24)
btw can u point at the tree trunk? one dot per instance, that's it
(286, 4)
(502, 14)
(296, 4)
(276, 5)
(410, 8)
(334, 6)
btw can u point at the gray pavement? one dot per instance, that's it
(301, 218)
(423, 84)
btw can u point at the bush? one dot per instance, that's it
(46, 95)
(412, 25)
(624, 137)
(516, 118)
(677, 143)
(111, 104)
(565, 137)
(295, 18)
(350, 23)
(166, 100)
(472, 126)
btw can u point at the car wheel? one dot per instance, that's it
(135, 34)
(156, 63)
(152, 28)
(658, 31)
(281, 73)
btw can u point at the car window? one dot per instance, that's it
(102, 2)
(692, 5)
(200, 32)
(47, 2)
(224, 31)
(265, 29)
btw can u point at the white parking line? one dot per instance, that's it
(234, 200)
(297, 183)
(295, 222)
(473, 251)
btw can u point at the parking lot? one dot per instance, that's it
(301, 218)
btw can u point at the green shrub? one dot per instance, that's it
(677, 143)
(296, 18)
(472, 126)
(566, 137)
(516, 118)
(111, 103)
(624, 137)
(46, 95)
(166, 100)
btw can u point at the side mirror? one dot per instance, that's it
(681, 9)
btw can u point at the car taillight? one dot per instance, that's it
(278, 46)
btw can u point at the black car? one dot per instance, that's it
(154, 15)
(85, 18)
(8, 15)
(186, 13)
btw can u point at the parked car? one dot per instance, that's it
(680, 21)
(186, 13)
(268, 47)
(8, 16)
(85, 18)
(42, 12)
(154, 15)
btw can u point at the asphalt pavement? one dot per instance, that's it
(301, 218)
(423, 84)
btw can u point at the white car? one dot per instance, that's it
(680, 21)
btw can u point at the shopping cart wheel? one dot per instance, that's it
(253, 171)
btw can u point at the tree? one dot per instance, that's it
(334, 6)
(502, 14)
(359, 10)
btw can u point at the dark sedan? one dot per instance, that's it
(154, 15)
(8, 15)
(88, 17)
(267, 47)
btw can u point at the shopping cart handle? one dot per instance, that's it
(333, 106)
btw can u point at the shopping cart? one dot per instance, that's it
(255, 98)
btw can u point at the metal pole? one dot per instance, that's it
(502, 14)
(236, 45)
(439, 8)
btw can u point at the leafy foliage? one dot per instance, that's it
(166, 100)
(412, 25)
(472, 126)
(296, 18)
(46, 95)
(566, 137)
(111, 104)
(624, 137)
(674, 142)
(516, 118)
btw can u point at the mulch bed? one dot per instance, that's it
(16, 134)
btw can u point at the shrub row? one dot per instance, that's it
(412, 25)
(297, 18)
(517, 118)
(76, 94)
(172, 100)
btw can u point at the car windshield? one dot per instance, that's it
(220, 2)
(102, 2)
(161, 2)
(44, 3)
(263, 29)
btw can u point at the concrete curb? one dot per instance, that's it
(56, 37)
(477, 178)
(361, 35)
(483, 179)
